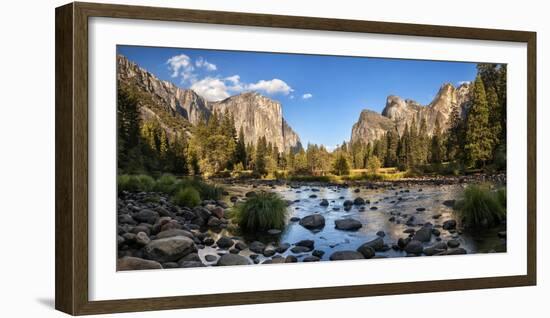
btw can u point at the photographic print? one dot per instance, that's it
(242, 158)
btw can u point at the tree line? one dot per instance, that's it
(475, 138)
(214, 146)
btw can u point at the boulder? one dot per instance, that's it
(424, 234)
(146, 216)
(449, 225)
(142, 238)
(174, 232)
(282, 247)
(218, 212)
(306, 243)
(213, 222)
(348, 224)
(232, 259)
(224, 242)
(291, 259)
(170, 225)
(257, 247)
(312, 222)
(454, 251)
(318, 253)
(435, 249)
(366, 251)
(449, 203)
(359, 201)
(202, 212)
(414, 247)
(345, 255)
(324, 202)
(311, 259)
(126, 219)
(129, 263)
(190, 264)
(169, 249)
(377, 244)
(241, 246)
(453, 243)
(300, 249)
(210, 258)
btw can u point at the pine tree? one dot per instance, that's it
(179, 151)
(423, 142)
(374, 164)
(436, 151)
(129, 157)
(478, 138)
(502, 98)
(413, 145)
(240, 149)
(392, 141)
(494, 117)
(260, 164)
(341, 164)
(455, 135)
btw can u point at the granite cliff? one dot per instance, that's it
(179, 108)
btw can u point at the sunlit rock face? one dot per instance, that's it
(256, 114)
(400, 112)
(259, 116)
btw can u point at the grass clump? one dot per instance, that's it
(260, 213)
(166, 184)
(206, 190)
(481, 207)
(134, 183)
(188, 197)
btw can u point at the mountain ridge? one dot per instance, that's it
(399, 113)
(258, 115)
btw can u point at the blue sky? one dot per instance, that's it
(321, 96)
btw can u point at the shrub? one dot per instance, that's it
(134, 183)
(166, 184)
(374, 164)
(146, 182)
(187, 196)
(340, 166)
(480, 207)
(260, 213)
(206, 190)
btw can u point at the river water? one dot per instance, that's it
(401, 203)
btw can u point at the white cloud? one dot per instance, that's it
(180, 65)
(235, 79)
(273, 86)
(236, 85)
(211, 88)
(203, 63)
(291, 97)
(307, 96)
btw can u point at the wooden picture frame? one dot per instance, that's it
(72, 280)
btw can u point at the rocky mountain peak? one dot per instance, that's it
(257, 114)
(401, 112)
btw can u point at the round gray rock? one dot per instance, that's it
(129, 263)
(312, 222)
(348, 224)
(169, 249)
(232, 259)
(345, 255)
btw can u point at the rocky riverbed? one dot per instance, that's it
(325, 222)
